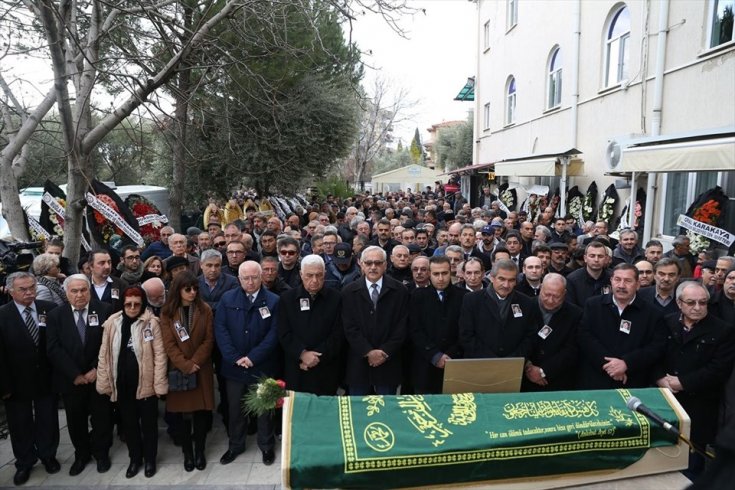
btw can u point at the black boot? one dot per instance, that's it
(199, 460)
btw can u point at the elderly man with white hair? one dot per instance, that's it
(310, 331)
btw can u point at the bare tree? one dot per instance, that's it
(382, 110)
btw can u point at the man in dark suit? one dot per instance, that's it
(74, 337)
(374, 315)
(591, 280)
(620, 337)
(552, 365)
(25, 378)
(699, 358)
(661, 295)
(310, 332)
(468, 242)
(434, 327)
(499, 321)
(105, 288)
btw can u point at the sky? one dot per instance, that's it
(432, 63)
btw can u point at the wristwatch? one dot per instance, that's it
(542, 373)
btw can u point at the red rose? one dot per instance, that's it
(281, 383)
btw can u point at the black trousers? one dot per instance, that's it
(82, 405)
(200, 421)
(239, 422)
(34, 429)
(139, 419)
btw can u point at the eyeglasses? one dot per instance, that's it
(692, 302)
(249, 278)
(370, 263)
(288, 253)
(189, 289)
(133, 305)
(132, 257)
(235, 252)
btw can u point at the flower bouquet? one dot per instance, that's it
(606, 210)
(150, 219)
(507, 196)
(264, 396)
(575, 201)
(709, 207)
(588, 205)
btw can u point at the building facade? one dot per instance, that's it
(602, 77)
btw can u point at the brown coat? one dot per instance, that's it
(152, 360)
(183, 356)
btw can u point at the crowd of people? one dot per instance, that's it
(367, 295)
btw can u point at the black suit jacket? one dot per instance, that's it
(557, 354)
(483, 334)
(434, 329)
(25, 372)
(68, 356)
(600, 336)
(115, 303)
(703, 360)
(367, 328)
(318, 328)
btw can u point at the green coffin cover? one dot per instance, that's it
(420, 440)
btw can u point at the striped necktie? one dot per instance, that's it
(31, 324)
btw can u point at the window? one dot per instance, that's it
(511, 13)
(553, 98)
(486, 116)
(681, 189)
(617, 47)
(510, 101)
(721, 30)
(486, 35)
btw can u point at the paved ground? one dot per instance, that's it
(247, 471)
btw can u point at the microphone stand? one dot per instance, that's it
(693, 448)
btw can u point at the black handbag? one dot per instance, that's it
(178, 381)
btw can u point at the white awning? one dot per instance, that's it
(539, 167)
(688, 156)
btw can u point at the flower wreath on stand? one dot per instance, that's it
(264, 396)
(150, 219)
(606, 211)
(588, 205)
(507, 196)
(574, 205)
(709, 207)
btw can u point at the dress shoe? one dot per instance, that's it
(150, 469)
(21, 476)
(52, 465)
(188, 462)
(133, 469)
(78, 466)
(199, 460)
(228, 457)
(269, 457)
(103, 464)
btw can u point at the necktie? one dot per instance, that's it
(441, 296)
(374, 294)
(81, 325)
(31, 324)
(251, 297)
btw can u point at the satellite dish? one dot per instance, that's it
(612, 156)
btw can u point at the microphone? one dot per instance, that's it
(636, 405)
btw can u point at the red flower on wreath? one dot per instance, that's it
(107, 200)
(708, 212)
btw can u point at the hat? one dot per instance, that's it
(175, 261)
(709, 264)
(342, 253)
(488, 230)
(413, 248)
(558, 246)
(193, 230)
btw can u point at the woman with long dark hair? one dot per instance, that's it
(188, 337)
(132, 370)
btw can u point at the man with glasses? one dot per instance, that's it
(160, 247)
(621, 338)
(559, 259)
(235, 253)
(74, 337)
(645, 273)
(25, 378)
(419, 273)
(661, 295)
(130, 268)
(454, 254)
(245, 329)
(698, 360)
(219, 242)
(289, 269)
(374, 315)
